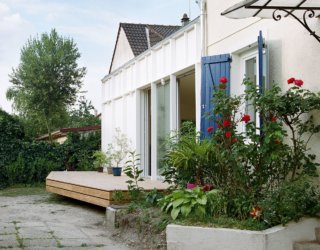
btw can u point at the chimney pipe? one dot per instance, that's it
(185, 19)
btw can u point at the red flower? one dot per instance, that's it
(207, 187)
(191, 185)
(298, 83)
(245, 118)
(226, 123)
(233, 141)
(223, 80)
(273, 118)
(218, 125)
(210, 129)
(256, 212)
(228, 134)
(291, 80)
(277, 141)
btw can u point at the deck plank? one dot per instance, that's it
(93, 187)
(79, 196)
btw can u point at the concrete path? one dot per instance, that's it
(35, 222)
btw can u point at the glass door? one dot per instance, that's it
(163, 122)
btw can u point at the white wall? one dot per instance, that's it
(173, 56)
(292, 51)
(123, 52)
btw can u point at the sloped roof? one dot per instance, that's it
(138, 39)
(137, 35)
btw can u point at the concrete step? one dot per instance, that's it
(306, 245)
(317, 231)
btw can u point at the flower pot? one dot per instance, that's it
(109, 170)
(116, 171)
(100, 169)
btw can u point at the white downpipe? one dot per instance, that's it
(203, 22)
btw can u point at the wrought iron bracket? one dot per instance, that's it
(308, 13)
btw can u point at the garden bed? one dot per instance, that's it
(275, 238)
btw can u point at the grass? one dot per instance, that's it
(23, 190)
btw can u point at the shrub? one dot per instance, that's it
(185, 202)
(249, 166)
(290, 201)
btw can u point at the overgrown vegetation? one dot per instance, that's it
(26, 162)
(262, 171)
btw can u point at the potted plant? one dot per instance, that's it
(119, 149)
(100, 159)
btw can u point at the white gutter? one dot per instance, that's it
(203, 23)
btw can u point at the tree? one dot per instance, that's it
(47, 79)
(12, 134)
(83, 114)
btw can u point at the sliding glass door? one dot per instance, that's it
(163, 122)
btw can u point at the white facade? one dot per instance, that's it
(291, 51)
(133, 92)
(122, 52)
(126, 91)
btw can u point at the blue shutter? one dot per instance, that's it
(260, 64)
(262, 68)
(213, 67)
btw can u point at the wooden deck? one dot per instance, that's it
(93, 187)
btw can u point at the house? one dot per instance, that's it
(150, 94)
(152, 86)
(60, 136)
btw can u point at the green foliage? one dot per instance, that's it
(118, 196)
(187, 157)
(185, 202)
(47, 79)
(79, 149)
(33, 163)
(12, 134)
(153, 197)
(133, 171)
(254, 166)
(290, 201)
(82, 114)
(217, 203)
(100, 159)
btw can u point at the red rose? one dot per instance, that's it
(291, 80)
(218, 125)
(233, 141)
(223, 80)
(298, 83)
(210, 129)
(226, 123)
(245, 118)
(228, 134)
(207, 187)
(273, 118)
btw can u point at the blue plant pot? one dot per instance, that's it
(116, 171)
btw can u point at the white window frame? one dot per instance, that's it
(244, 57)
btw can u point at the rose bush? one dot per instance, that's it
(248, 165)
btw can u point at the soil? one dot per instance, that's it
(141, 229)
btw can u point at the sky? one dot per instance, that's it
(93, 26)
